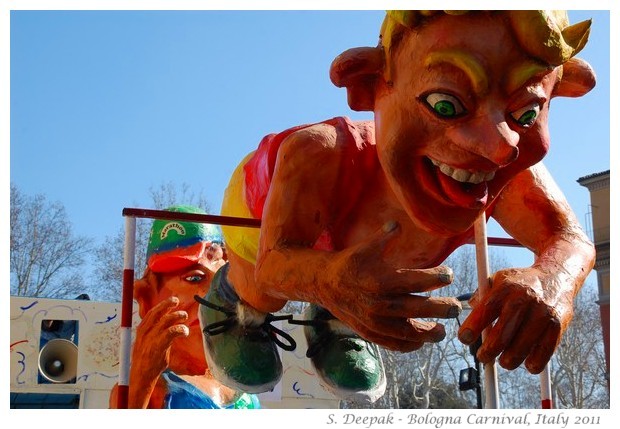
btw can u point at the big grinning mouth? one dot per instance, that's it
(462, 187)
(463, 176)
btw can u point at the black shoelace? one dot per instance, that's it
(274, 333)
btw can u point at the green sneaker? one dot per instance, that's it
(240, 342)
(349, 366)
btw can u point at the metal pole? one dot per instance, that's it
(126, 312)
(545, 389)
(482, 263)
(192, 217)
(475, 348)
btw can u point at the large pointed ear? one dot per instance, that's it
(578, 79)
(145, 291)
(357, 69)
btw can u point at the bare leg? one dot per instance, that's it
(241, 277)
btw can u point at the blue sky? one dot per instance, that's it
(105, 104)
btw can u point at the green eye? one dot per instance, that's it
(445, 105)
(526, 116)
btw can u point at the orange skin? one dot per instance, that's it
(413, 215)
(169, 335)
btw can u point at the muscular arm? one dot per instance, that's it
(354, 282)
(533, 306)
(299, 206)
(542, 220)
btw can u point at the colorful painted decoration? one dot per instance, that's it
(357, 218)
(168, 366)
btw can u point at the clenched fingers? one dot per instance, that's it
(534, 343)
(540, 356)
(173, 322)
(161, 308)
(163, 321)
(502, 334)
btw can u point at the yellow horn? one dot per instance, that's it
(577, 35)
(403, 17)
(547, 35)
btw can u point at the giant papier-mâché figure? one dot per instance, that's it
(358, 216)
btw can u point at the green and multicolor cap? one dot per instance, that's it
(174, 245)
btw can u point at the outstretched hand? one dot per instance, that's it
(377, 300)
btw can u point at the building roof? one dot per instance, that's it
(593, 177)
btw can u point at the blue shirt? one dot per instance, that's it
(183, 395)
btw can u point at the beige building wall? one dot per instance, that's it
(598, 185)
(98, 350)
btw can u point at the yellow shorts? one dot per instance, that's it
(241, 240)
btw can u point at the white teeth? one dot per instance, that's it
(461, 175)
(481, 177)
(464, 175)
(446, 169)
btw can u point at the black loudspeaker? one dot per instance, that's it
(58, 351)
(58, 361)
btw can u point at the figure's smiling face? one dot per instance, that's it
(466, 112)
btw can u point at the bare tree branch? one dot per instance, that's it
(45, 256)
